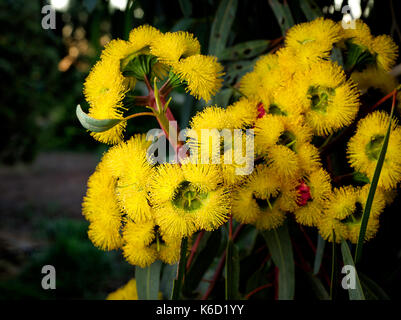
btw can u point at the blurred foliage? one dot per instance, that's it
(82, 271)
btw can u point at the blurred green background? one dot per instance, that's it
(46, 156)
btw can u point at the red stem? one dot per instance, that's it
(257, 290)
(195, 247)
(220, 266)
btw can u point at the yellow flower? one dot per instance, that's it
(386, 52)
(331, 102)
(265, 73)
(133, 167)
(264, 199)
(105, 90)
(101, 209)
(143, 37)
(359, 35)
(330, 227)
(319, 186)
(143, 244)
(170, 47)
(284, 143)
(382, 48)
(283, 101)
(343, 215)
(242, 114)
(268, 130)
(318, 36)
(201, 74)
(188, 198)
(373, 77)
(364, 148)
(354, 222)
(126, 292)
(292, 60)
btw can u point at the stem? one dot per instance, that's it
(181, 270)
(135, 115)
(220, 266)
(257, 290)
(333, 267)
(195, 247)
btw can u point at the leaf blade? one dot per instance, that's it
(372, 189)
(93, 124)
(232, 269)
(279, 244)
(357, 293)
(321, 243)
(244, 50)
(148, 281)
(283, 15)
(221, 26)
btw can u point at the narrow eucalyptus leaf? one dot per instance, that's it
(310, 9)
(283, 14)
(221, 26)
(319, 254)
(244, 50)
(148, 280)
(169, 273)
(95, 125)
(357, 293)
(372, 191)
(232, 271)
(279, 243)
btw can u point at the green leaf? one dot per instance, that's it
(334, 265)
(372, 191)
(95, 125)
(207, 251)
(337, 56)
(244, 50)
(246, 240)
(279, 243)
(360, 177)
(319, 254)
(181, 270)
(317, 286)
(183, 24)
(232, 270)
(147, 281)
(222, 98)
(310, 9)
(357, 293)
(221, 26)
(283, 15)
(167, 281)
(237, 69)
(186, 7)
(371, 289)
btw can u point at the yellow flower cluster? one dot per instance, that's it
(122, 63)
(146, 209)
(292, 98)
(293, 101)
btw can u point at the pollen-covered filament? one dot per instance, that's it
(320, 97)
(188, 198)
(374, 146)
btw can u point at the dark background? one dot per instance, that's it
(46, 156)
